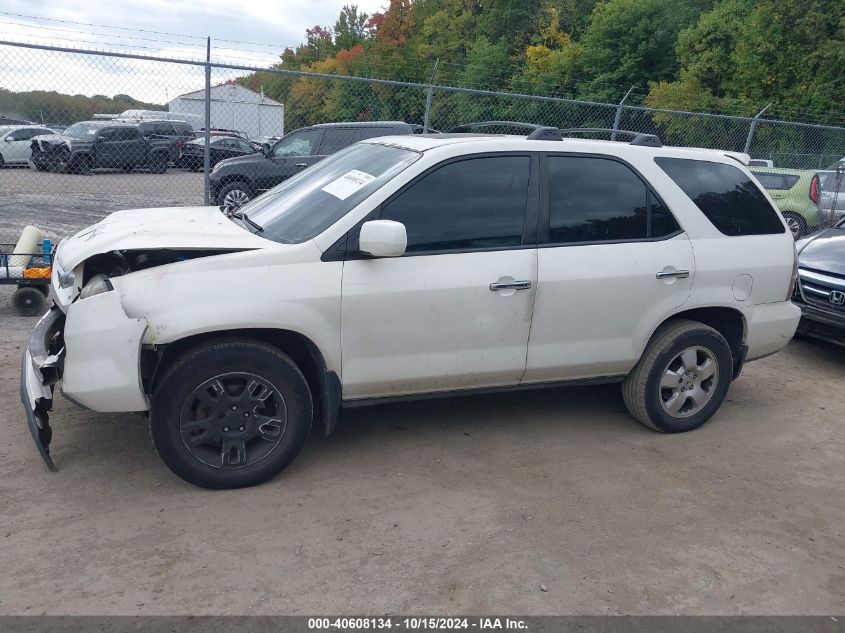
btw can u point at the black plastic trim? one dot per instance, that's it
(580, 382)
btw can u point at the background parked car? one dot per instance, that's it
(15, 143)
(820, 292)
(760, 162)
(797, 193)
(91, 145)
(220, 148)
(179, 132)
(833, 194)
(236, 181)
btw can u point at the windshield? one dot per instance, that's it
(82, 130)
(309, 203)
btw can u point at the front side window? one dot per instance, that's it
(470, 204)
(728, 198)
(307, 204)
(302, 143)
(601, 200)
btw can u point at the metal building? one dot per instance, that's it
(234, 107)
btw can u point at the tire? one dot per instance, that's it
(2, 162)
(189, 408)
(29, 301)
(234, 195)
(80, 165)
(796, 223)
(696, 398)
(158, 163)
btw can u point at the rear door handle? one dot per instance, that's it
(669, 274)
(511, 285)
(300, 164)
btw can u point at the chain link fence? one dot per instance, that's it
(86, 133)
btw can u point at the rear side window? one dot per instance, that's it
(728, 198)
(335, 139)
(600, 200)
(777, 182)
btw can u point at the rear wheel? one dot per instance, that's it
(682, 378)
(796, 223)
(231, 414)
(158, 163)
(234, 195)
(29, 301)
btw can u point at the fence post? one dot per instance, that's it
(429, 97)
(207, 151)
(754, 127)
(618, 118)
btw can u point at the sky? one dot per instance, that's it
(250, 32)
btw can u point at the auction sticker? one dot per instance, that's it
(348, 183)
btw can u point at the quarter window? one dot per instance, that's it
(470, 204)
(730, 199)
(599, 200)
(777, 182)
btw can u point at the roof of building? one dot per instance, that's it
(234, 92)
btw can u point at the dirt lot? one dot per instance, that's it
(61, 204)
(469, 505)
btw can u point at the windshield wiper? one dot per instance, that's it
(240, 215)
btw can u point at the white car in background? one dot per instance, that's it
(406, 266)
(15, 143)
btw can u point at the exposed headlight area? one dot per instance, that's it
(97, 285)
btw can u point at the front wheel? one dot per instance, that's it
(681, 379)
(234, 195)
(231, 414)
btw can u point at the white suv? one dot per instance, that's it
(413, 265)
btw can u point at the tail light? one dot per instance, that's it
(794, 278)
(814, 189)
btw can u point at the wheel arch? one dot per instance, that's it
(729, 322)
(324, 384)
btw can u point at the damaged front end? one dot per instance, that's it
(50, 152)
(41, 368)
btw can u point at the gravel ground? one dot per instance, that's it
(61, 204)
(470, 505)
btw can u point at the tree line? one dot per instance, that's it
(731, 56)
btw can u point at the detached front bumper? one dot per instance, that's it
(41, 368)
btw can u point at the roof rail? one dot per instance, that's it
(469, 127)
(547, 133)
(639, 138)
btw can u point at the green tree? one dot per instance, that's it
(350, 28)
(632, 42)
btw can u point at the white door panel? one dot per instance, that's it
(597, 304)
(431, 323)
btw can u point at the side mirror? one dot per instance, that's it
(266, 149)
(383, 238)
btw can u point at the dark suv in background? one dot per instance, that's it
(91, 145)
(237, 180)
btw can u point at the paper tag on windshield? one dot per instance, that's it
(348, 183)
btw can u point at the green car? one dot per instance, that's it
(796, 193)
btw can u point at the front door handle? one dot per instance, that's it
(300, 164)
(511, 285)
(670, 274)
